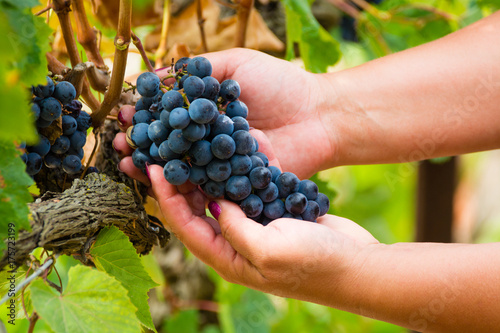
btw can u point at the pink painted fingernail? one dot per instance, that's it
(117, 150)
(147, 171)
(214, 209)
(121, 120)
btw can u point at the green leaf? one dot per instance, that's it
(318, 49)
(9, 278)
(183, 321)
(91, 302)
(14, 194)
(114, 254)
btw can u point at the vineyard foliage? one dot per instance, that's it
(113, 296)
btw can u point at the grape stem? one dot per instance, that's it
(122, 42)
(140, 47)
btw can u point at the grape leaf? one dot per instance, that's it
(91, 302)
(14, 194)
(8, 278)
(113, 253)
(318, 49)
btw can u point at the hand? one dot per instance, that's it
(284, 101)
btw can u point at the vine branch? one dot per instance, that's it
(140, 47)
(162, 48)
(122, 42)
(244, 8)
(201, 25)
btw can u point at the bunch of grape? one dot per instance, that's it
(197, 130)
(54, 105)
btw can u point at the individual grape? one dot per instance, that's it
(223, 146)
(244, 142)
(323, 203)
(61, 145)
(194, 86)
(202, 110)
(78, 140)
(260, 177)
(198, 175)
(311, 213)
(309, 189)
(256, 162)
(223, 125)
(142, 116)
(219, 170)
(291, 216)
(240, 164)
(194, 132)
(50, 109)
(208, 130)
(252, 206)
(139, 135)
(201, 153)
(216, 114)
(148, 84)
(240, 123)
(265, 221)
(179, 118)
(199, 66)
(65, 92)
(157, 116)
(237, 109)
(256, 146)
(71, 164)
(166, 153)
(238, 187)
(44, 91)
(68, 124)
(35, 109)
(74, 108)
(165, 118)
(52, 161)
(144, 103)
(181, 81)
(42, 123)
(177, 142)
(275, 171)
(212, 88)
(287, 183)
(176, 172)
(179, 64)
(214, 189)
(77, 152)
(157, 132)
(230, 90)
(296, 203)
(154, 152)
(263, 157)
(140, 157)
(274, 209)
(33, 164)
(42, 147)
(84, 121)
(269, 193)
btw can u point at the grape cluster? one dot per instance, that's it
(197, 130)
(55, 105)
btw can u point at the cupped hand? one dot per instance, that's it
(284, 101)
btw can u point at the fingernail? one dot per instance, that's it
(147, 171)
(121, 120)
(117, 150)
(118, 167)
(214, 209)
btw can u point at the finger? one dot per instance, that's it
(245, 235)
(127, 166)
(266, 147)
(125, 117)
(121, 146)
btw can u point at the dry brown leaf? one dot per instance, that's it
(177, 51)
(220, 34)
(107, 11)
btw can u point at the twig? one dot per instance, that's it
(140, 47)
(25, 282)
(49, 7)
(122, 41)
(33, 321)
(201, 25)
(162, 48)
(244, 9)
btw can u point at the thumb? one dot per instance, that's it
(242, 233)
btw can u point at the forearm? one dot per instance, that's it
(429, 287)
(438, 99)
